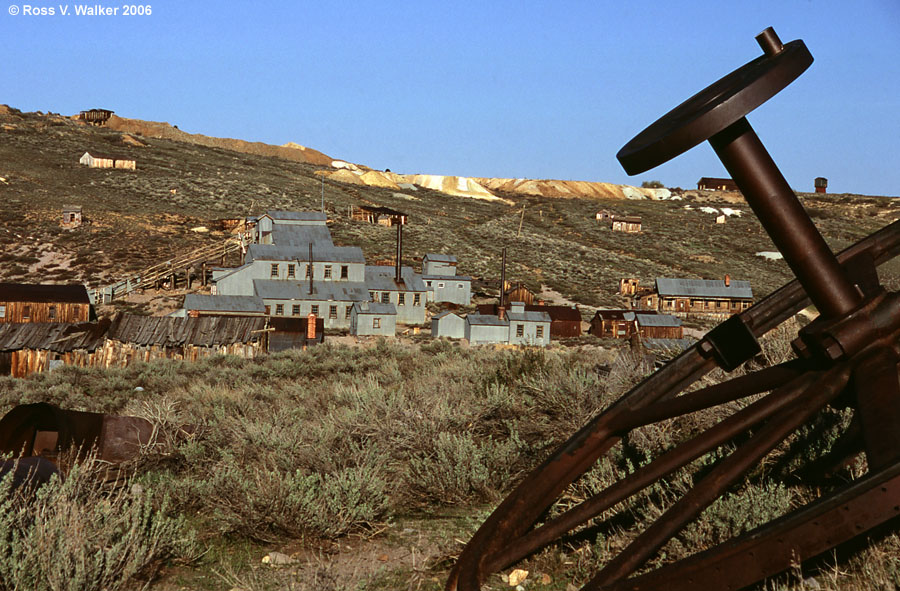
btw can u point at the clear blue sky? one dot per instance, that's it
(503, 89)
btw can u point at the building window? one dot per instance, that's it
(327, 271)
(401, 299)
(520, 330)
(417, 299)
(386, 297)
(373, 295)
(376, 322)
(428, 283)
(52, 312)
(3, 311)
(314, 309)
(295, 310)
(332, 312)
(279, 309)
(274, 271)
(539, 332)
(292, 271)
(441, 285)
(347, 312)
(26, 312)
(345, 272)
(459, 286)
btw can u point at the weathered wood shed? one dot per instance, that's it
(30, 348)
(22, 302)
(71, 216)
(95, 160)
(144, 338)
(383, 216)
(628, 224)
(519, 293)
(716, 184)
(659, 326)
(613, 324)
(95, 116)
(295, 333)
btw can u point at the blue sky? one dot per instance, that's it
(503, 89)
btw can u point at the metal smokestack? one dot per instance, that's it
(309, 269)
(397, 276)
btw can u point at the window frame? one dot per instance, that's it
(273, 270)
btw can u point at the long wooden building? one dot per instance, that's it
(30, 348)
(22, 302)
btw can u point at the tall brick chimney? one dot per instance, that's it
(727, 280)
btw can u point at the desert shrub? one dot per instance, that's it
(263, 503)
(73, 536)
(456, 469)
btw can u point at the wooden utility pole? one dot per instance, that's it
(521, 221)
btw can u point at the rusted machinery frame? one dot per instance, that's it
(521, 509)
(665, 464)
(722, 476)
(803, 534)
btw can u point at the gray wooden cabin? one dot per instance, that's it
(528, 328)
(448, 324)
(483, 329)
(373, 319)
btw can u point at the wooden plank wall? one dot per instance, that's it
(115, 354)
(40, 312)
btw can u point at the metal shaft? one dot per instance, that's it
(785, 220)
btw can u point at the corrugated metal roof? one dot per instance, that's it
(379, 278)
(440, 258)
(107, 156)
(447, 277)
(223, 303)
(24, 292)
(626, 315)
(528, 316)
(444, 314)
(557, 313)
(322, 253)
(657, 320)
(374, 308)
(486, 320)
(298, 216)
(675, 345)
(703, 288)
(52, 336)
(341, 291)
(205, 331)
(290, 235)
